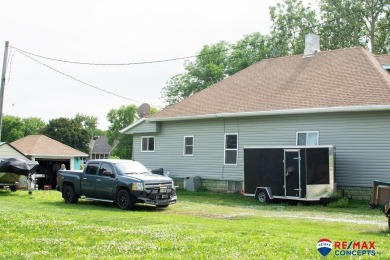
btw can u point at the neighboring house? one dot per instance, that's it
(339, 97)
(8, 151)
(50, 154)
(100, 148)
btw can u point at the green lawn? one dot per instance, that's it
(200, 226)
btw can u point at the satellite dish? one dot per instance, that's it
(143, 110)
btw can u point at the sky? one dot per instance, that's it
(109, 32)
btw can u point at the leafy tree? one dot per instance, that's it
(33, 126)
(119, 119)
(291, 22)
(12, 128)
(251, 49)
(69, 132)
(382, 38)
(89, 123)
(153, 110)
(208, 68)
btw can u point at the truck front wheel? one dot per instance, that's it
(123, 200)
(70, 195)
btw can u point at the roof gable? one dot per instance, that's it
(340, 78)
(43, 145)
(101, 145)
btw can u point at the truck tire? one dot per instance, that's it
(262, 196)
(70, 195)
(12, 188)
(123, 200)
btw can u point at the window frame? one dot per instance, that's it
(185, 146)
(94, 165)
(229, 149)
(147, 145)
(307, 134)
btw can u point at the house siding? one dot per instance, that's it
(362, 141)
(146, 127)
(7, 151)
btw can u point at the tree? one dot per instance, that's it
(12, 128)
(69, 132)
(89, 123)
(291, 21)
(208, 68)
(119, 119)
(382, 38)
(247, 51)
(348, 23)
(33, 126)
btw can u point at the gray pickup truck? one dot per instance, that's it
(125, 182)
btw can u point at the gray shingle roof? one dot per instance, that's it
(100, 145)
(339, 78)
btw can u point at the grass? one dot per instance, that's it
(201, 225)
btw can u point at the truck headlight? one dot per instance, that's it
(137, 186)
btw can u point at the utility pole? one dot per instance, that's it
(3, 85)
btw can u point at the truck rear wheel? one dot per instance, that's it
(123, 200)
(70, 195)
(262, 196)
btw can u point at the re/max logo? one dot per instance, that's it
(359, 245)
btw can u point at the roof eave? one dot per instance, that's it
(57, 155)
(274, 113)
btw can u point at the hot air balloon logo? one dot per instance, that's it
(324, 246)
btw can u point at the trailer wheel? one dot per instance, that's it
(12, 188)
(262, 196)
(70, 195)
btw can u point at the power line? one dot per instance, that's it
(104, 64)
(78, 80)
(270, 39)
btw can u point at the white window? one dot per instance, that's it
(307, 138)
(147, 144)
(231, 148)
(188, 148)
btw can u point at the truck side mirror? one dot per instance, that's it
(108, 174)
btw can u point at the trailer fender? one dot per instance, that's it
(263, 194)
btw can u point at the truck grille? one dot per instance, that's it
(157, 185)
(160, 190)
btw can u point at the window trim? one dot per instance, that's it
(184, 145)
(154, 147)
(307, 134)
(226, 149)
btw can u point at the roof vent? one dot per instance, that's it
(312, 45)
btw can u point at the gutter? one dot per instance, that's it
(270, 113)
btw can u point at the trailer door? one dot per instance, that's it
(292, 172)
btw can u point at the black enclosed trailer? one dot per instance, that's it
(302, 173)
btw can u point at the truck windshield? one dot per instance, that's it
(130, 167)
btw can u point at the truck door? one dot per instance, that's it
(105, 185)
(89, 179)
(292, 172)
